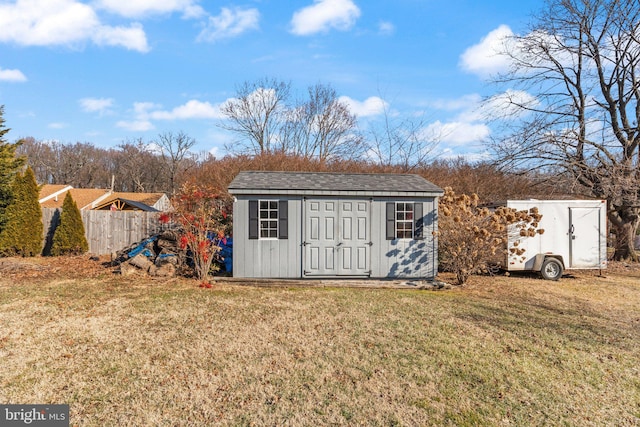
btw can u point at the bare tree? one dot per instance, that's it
(174, 152)
(401, 141)
(321, 127)
(255, 115)
(267, 121)
(138, 168)
(37, 154)
(81, 165)
(581, 61)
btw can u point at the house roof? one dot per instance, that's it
(149, 199)
(49, 190)
(122, 204)
(329, 183)
(52, 196)
(84, 197)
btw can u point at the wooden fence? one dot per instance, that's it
(107, 231)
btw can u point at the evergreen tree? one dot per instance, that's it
(69, 239)
(9, 167)
(23, 230)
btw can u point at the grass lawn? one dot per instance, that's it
(500, 351)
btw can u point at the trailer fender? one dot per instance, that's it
(551, 266)
(537, 264)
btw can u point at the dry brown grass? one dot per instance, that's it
(501, 351)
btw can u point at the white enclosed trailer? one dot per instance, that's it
(574, 237)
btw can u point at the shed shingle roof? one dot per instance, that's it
(255, 182)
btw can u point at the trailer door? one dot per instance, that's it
(584, 236)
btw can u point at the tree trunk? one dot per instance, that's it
(625, 223)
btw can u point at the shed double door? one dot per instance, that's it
(337, 237)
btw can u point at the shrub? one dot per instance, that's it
(69, 239)
(10, 166)
(473, 239)
(23, 231)
(202, 213)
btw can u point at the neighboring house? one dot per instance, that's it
(50, 191)
(150, 202)
(306, 224)
(85, 198)
(52, 196)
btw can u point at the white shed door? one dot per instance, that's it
(337, 240)
(585, 235)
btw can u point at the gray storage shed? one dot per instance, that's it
(309, 224)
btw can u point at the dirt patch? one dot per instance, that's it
(21, 269)
(622, 268)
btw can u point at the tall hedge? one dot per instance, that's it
(10, 165)
(22, 233)
(69, 239)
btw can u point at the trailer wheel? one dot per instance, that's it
(551, 269)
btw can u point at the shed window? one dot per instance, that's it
(268, 219)
(404, 220)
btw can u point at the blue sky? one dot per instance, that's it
(110, 71)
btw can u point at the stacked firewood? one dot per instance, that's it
(159, 255)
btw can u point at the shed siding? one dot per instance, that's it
(280, 258)
(276, 258)
(404, 258)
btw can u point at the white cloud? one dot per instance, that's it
(58, 125)
(324, 15)
(133, 37)
(465, 102)
(509, 104)
(141, 122)
(456, 133)
(193, 109)
(14, 76)
(230, 23)
(93, 105)
(371, 106)
(63, 22)
(142, 8)
(144, 113)
(386, 28)
(485, 58)
(142, 108)
(136, 125)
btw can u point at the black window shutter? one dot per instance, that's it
(419, 225)
(253, 219)
(283, 219)
(391, 220)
